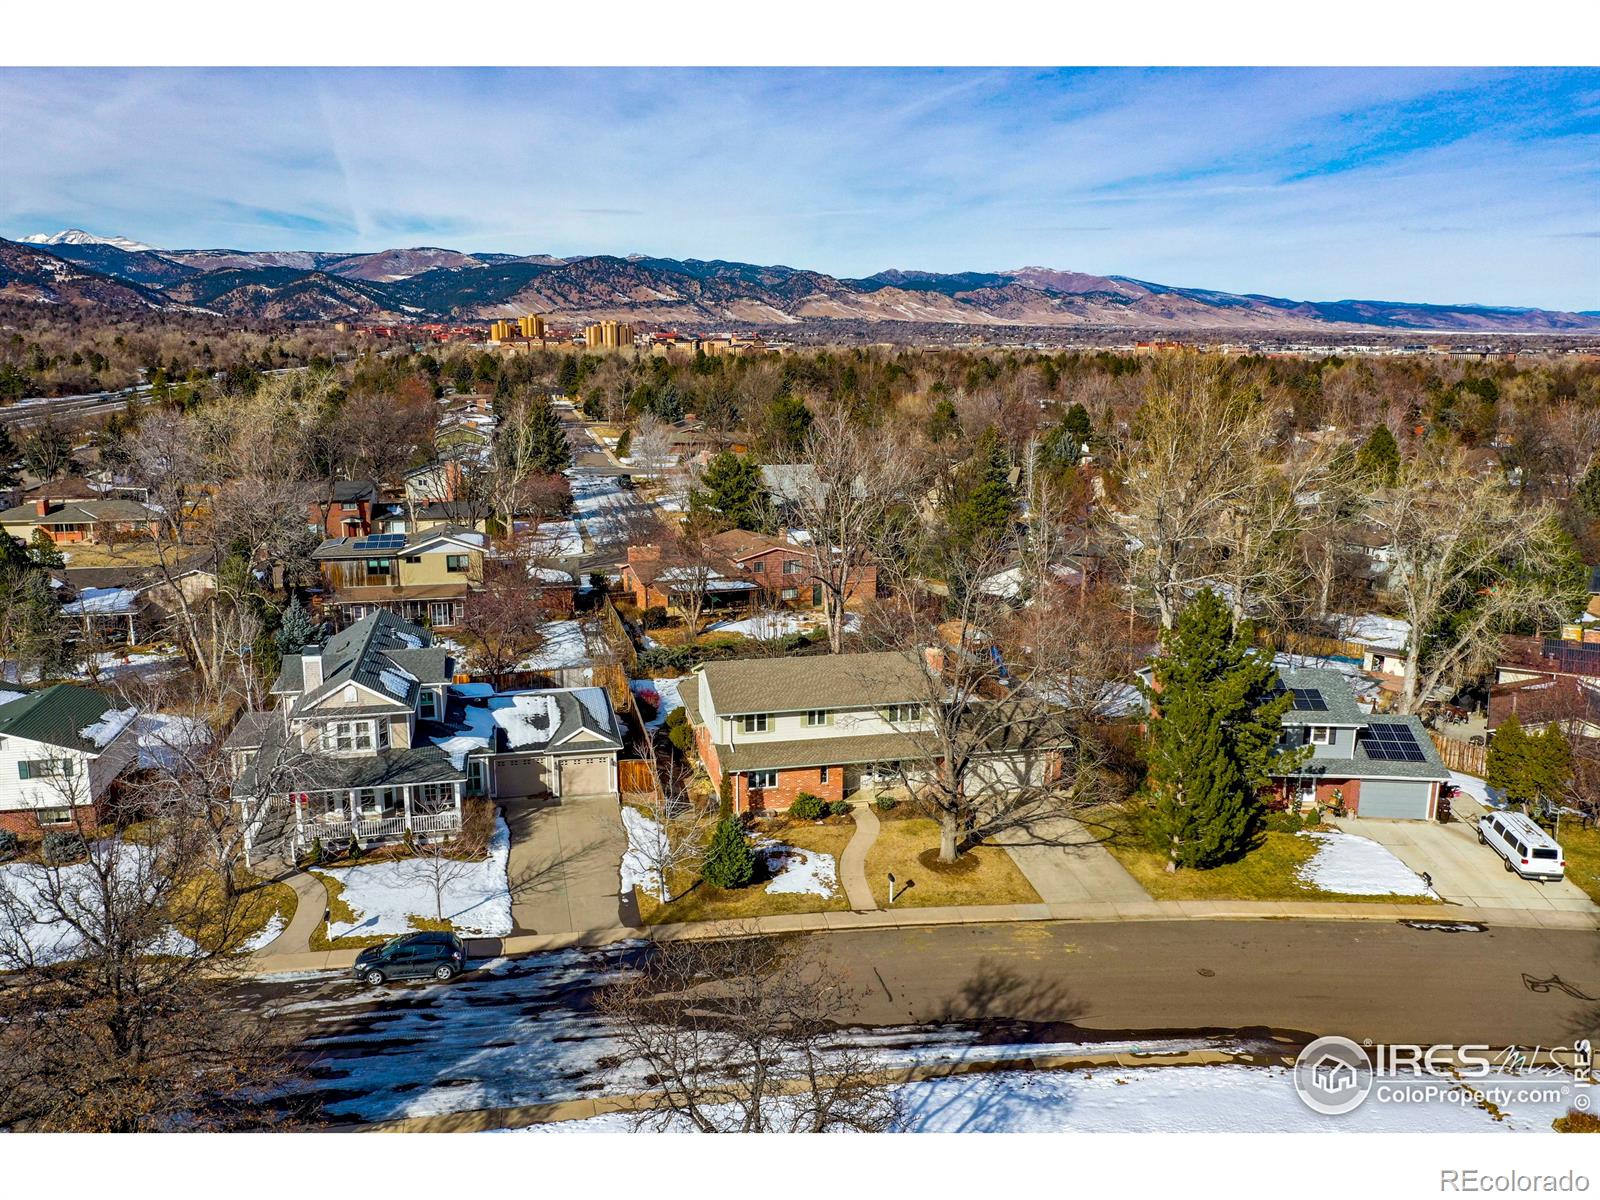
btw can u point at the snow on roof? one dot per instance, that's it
(1379, 632)
(102, 601)
(549, 575)
(529, 719)
(165, 737)
(396, 681)
(596, 704)
(111, 723)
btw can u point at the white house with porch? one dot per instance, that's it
(371, 741)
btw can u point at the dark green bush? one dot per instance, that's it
(9, 845)
(655, 617)
(729, 861)
(63, 846)
(807, 807)
(840, 808)
(886, 803)
(1285, 822)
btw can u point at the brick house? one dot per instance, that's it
(62, 749)
(1376, 766)
(67, 521)
(347, 511)
(751, 570)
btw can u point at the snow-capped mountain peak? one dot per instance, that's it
(78, 237)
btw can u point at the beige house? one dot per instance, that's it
(424, 577)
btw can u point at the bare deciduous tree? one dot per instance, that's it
(742, 1037)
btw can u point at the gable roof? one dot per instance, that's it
(380, 652)
(58, 715)
(1341, 709)
(458, 536)
(741, 543)
(816, 681)
(77, 512)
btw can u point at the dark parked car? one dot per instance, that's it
(440, 956)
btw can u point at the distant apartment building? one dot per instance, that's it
(608, 335)
(532, 325)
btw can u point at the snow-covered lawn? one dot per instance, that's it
(769, 625)
(646, 849)
(1358, 866)
(557, 539)
(666, 690)
(264, 936)
(1472, 786)
(385, 896)
(24, 888)
(1212, 1099)
(792, 870)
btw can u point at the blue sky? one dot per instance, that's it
(1436, 185)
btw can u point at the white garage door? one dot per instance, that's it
(585, 776)
(519, 777)
(1394, 798)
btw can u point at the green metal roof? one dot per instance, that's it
(55, 715)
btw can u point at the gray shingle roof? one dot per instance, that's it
(816, 681)
(826, 752)
(376, 651)
(1342, 708)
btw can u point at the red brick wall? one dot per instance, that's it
(24, 822)
(791, 784)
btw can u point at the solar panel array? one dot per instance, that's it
(1308, 700)
(381, 541)
(1579, 658)
(1392, 743)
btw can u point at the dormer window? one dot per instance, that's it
(1321, 735)
(347, 736)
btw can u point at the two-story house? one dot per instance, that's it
(828, 724)
(371, 741)
(62, 749)
(748, 569)
(424, 577)
(1375, 766)
(346, 510)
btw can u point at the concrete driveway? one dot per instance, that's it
(1462, 870)
(565, 865)
(1066, 865)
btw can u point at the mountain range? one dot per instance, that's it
(432, 283)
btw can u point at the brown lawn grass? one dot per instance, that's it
(907, 847)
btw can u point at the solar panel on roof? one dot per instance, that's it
(1308, 700)
(381, 541)
(1392, 743)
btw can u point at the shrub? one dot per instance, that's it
(655, 617)
(729, 861)
(807, 807)
(1285, 822)
(668, 658)
(680, 735)
(9, 845)
(317, 850)
(63, 846)
(625, 443)
(840, 808)
(648, 701)
(887, 803)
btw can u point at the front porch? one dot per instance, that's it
(431, 811)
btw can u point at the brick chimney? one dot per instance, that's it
(42, 507)
(933, 659)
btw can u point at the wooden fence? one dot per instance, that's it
(1461, 756)
(636, 776)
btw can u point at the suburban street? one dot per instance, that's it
(521, 1031)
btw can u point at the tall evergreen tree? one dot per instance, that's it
(986, 506)
(1217, 712)
(729, 860)
(1552, 762)
(550, 452)
(1509, 769)
(1378, 460)
(788, 422)
(731, 492)
(1063, 445)
(296, 630)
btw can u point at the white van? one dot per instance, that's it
(1528, 850)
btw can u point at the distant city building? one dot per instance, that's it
(532, 325)
(607, 335)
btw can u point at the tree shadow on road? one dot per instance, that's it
(996, 992)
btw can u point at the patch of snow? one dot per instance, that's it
(109, 727)
(647, 846)
(7, 696)
(530, 719)
(564, 646)
(411, 640)
(798, 872)
(557, 539)
(102, 602)
(767, 626)
(472, 689)
(264, 936)
(1472, 786)
(385, 896)
(167, 739)
(667, 690)
(396, 682)
(1358, 866)
(1374, 629)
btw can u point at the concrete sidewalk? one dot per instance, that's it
(853, 862)
(908, 918)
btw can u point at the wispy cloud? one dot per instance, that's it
(1425, 185)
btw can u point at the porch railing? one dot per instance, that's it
(373, 828)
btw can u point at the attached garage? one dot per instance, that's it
(587, 776)
(522, 776)
(1402, 799)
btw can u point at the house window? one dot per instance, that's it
(380, 566)
(413, 559)
(896, 714)
(54, 816)
(426, 702)
(754, 722)
(819, 716)
(383, 733)
(761, 780)
(792, 566)
(347, 736)
(791, 593)
(822, 775)
(45, 768)
(456, 564)
(440, 613)
(759, 567)
(476, 771)
(1321, 735)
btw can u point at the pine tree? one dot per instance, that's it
(987, 507)
(549, 451)
(625, 443)
(1217, 710)
(1551, 762)
(1378, 460)
(732, 492)
(10, 460)
(1063, 445)
(44, 553)
(788, 422)
(943, 423)
(729, 861)
(296, 630)
(1508, 762)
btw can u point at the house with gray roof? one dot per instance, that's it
(1371, 765)
(371, 740)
